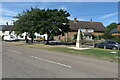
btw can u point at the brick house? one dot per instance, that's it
(116, 30)
(88, 28)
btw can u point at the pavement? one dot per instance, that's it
(24, 62)
(78, 48)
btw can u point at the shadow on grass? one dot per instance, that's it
(61, 43)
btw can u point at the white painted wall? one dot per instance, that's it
(87, 30)
(43, 36)
(22, 36)
(88, 37)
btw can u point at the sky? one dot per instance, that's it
(105, 12)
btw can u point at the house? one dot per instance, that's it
(116, 30)
(88, 28)
(7, 30)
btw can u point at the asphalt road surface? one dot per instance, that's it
(24, 62)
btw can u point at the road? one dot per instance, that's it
(24, 62)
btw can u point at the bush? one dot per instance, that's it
(75, 36)
(115, 38)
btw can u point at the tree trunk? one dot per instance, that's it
(31, 39)
(26, 39)
(48, 36)
(47, 39)
(47, 42)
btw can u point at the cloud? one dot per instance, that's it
(6, 19)
(4, 16)
(79, 19)
(7, 12)
(63, 7)
(113, 21)
(108, 15)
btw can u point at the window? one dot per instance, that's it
(83, 30)
(90, 30)
(3, 31)
(111, 42)
(118, 42)
(11, 37)
(38, 37)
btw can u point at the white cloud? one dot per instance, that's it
(6, 19)
(79, 19)
(7, 12)
(108, 15)
(3, 19)
(113, 21)
(71, 18)
(63, 7)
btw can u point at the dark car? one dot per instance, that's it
(114, 45)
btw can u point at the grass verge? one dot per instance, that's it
(93, 52)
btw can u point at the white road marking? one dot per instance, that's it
(52, 62)
(113, 52)
(43, 59)
(14, 51)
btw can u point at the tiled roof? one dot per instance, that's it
(6, 28)
(97, 26)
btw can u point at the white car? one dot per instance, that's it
(9, 38)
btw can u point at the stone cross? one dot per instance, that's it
(78, 42)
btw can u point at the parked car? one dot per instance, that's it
(39, 38)
(109, 44)
(10, 38)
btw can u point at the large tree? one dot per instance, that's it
(44, 21)
(111, 27)
(54, 22)
(27, 22)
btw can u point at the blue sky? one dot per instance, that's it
(105, 12)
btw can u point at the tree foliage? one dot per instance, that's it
(43, 21)
(107, 36)
(111, 27)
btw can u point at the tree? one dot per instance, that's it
(108, 29)
(107, 35)
(54, 22)
(27, 22)
(111, 27)
(43, 21)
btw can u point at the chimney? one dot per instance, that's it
(118, 27)
(75, 19)
(7, 23)
(91, 20)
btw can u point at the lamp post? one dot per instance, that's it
(78, 42)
